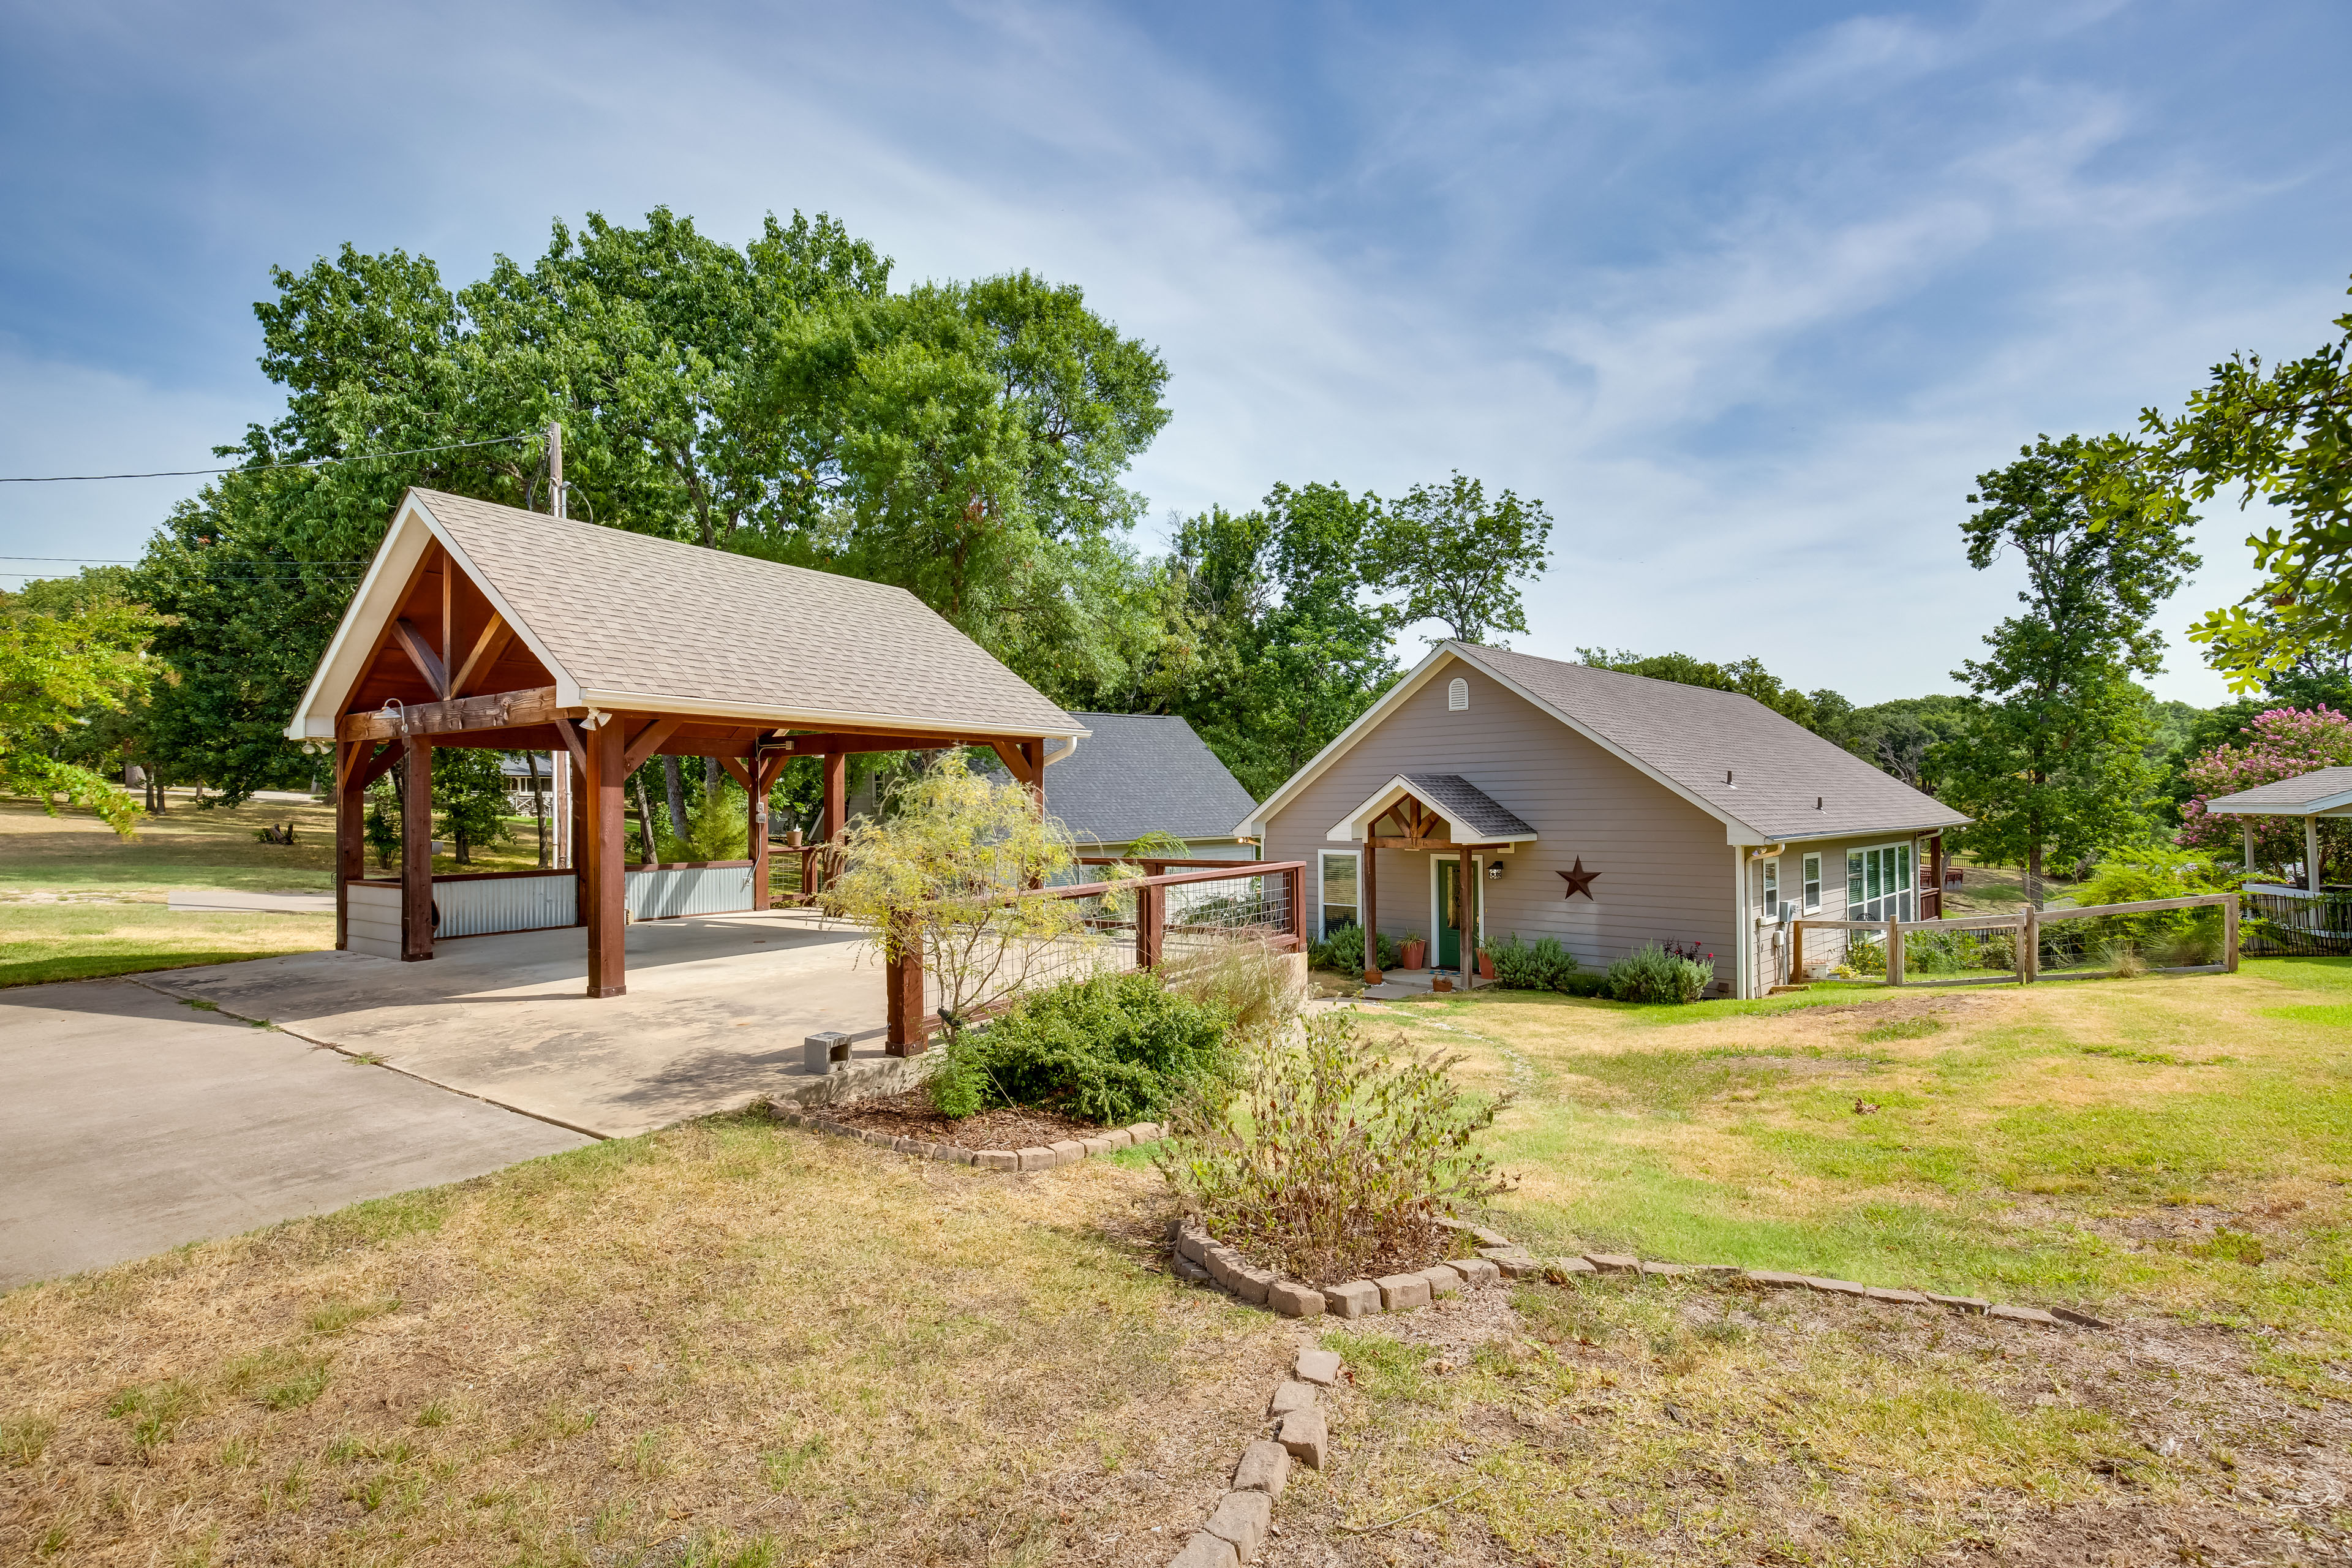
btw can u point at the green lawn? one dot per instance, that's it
(81, 940)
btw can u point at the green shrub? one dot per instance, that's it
(1542, 964)
(720, 827)
(1115, 1049)
(1344, 950)
(1651, 974)
(1584, 982)
(1336, 1156)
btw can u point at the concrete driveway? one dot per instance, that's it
(716, 1009)
(130, 1122)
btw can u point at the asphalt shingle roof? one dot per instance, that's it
(2285, 796)
(627, 615)
(1469, 810)
(1141, 773)
(1726, 748)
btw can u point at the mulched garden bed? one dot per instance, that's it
(912, 1115)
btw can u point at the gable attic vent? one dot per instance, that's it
(1457, 695)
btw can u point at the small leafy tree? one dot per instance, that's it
(942, 876)
(1338, 1154)
(469, 795)
(57, 672)
(1458, 558)
(720, 826)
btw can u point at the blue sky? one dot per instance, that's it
(1746, 293)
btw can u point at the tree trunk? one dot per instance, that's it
(676, 786)
(711, 773)
(646, 823)
(2034, 873)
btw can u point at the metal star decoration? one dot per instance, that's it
(1578, 880)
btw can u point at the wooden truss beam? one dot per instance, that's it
(420, 653)
(499, 711)
(647, 741)
(486, 649)
(847, 740)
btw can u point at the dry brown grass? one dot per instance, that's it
(728, 1342)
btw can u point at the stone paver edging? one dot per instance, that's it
(1237, 1526)
(1068, 1152)
(1199, 1257)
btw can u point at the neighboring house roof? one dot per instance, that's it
(1471, 815)
(1765, 777)
(629, 622)
(2321, 790)
(1139, 774)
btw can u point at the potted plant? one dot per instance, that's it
(1485, 964)
(1416, 951)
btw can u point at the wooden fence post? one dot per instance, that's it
(1151, 925)
(2229, 933)
(1796, 952)
(1894, 953)
(2029, 955)
(1297, 907)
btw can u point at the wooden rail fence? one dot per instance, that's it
(2027, 926)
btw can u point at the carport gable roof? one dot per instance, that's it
(2320, 792)
(624, 621)
(1766, 778)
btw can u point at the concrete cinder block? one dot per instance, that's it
(1356, 1299)
(1094, 1146)
(996, 1158)
(1253, 1285)
(1192, 1243)
(1293, 1300)
(1120, 1137)
(1403, 1292)
(1303, 1432)
(1221, 1262)
(1205, 1551)
(1475, 1271)
(820, 1052)
(1902, 1297)
(1516, 1265)
(1292, 1395)
(1614, 1262)
(1664, 1270)
(2010, 1314)
(1188, 1269)
(1566, 1269)
(1846, 1287)
(1774, 1280)
(1960, 1303)
(1265, 1468)
(1318, 1366)
(1036, 1159)
(1443, 1280)
(1147, 1131)
(1068, 1152)
(2080, 1319)
(1242, 1517)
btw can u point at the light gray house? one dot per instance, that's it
(1607, 810)
(1146, 773)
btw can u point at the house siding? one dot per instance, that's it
(1668, 873)
(1821, 947)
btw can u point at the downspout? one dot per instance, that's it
(1742, 936)
(1751, 932)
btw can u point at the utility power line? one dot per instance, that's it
(259, 467)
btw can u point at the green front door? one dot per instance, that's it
(1450, 922)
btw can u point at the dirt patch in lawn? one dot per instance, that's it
(1649, 1422)
(912, 1115)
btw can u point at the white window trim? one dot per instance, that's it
(1912, 890)
(1769, 897)
(1477, 872)
(1321, 904)
(1809, 884)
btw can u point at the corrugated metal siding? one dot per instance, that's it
(669, 890)
(471, 908)
(1667, 873)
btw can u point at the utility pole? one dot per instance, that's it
(555, 466)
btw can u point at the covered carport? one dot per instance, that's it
(2306, 797)
(485, 626)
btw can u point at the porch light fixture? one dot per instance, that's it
(594, 721)
(1493, 870)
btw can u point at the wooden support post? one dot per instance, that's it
(757, 842)
(1370, 894)
(1469, 944)
(1151, 925)
(351, 830)
(1797, 947)
(2029, 947)
(836, 807)
(2246, 829)
(2229, 933)
(416, 853)
(1894, 953)
(2311, 854)
(606, 848)
(903, 975)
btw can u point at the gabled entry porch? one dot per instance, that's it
(1461, 828)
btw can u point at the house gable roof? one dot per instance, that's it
(1758, 772)
(2318, 792)
(626, 621)
(1471, 816)
(1139, 774)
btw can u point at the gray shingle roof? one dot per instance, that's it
(1693, 736)
(629, 615)
(1469, 810)
(2287, 797)
(1138, 772)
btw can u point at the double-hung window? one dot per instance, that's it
(1338, 894)
(1772, 888)
(1878, 883)
(1812, 884)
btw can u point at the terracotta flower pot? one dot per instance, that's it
(1415, 953)
(1486, 966)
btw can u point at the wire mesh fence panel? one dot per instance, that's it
(2297, 925)
(1955, 954)
(2129, 943)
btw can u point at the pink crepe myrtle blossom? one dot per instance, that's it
(2279, 744)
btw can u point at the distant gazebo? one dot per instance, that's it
(485, 626)
(2324, 792)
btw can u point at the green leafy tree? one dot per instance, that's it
(470, 798)
(1453, 556)
(57, 671)
(2283, 433)
(2053, 763)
